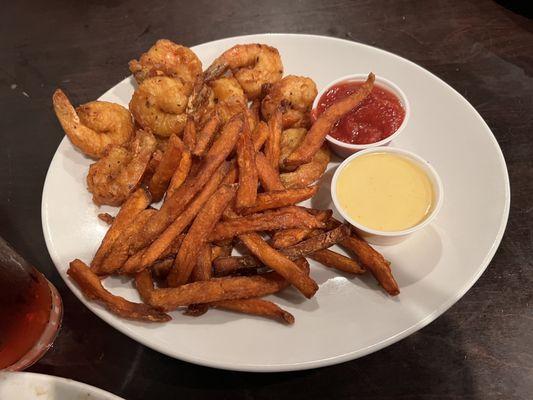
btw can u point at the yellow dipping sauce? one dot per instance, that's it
(385, 191)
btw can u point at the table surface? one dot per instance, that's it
(480, 349)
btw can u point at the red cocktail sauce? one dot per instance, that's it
(375, 119)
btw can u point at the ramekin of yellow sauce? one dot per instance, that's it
(386, 193)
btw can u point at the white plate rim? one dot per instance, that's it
(48, 379)
(349, 355)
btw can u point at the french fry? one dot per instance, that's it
(181, 198)
(197, 235)
(202, 271)
(181, 172)
(135, 261)
(228, 265)
(217, 289)
(91, 286)
(279, 263)
(318, 242)
(205, 136)
(247, 191)
(280, 198)
(331, 259)
(134, 204)
(158, 247)
(273, 143)
(290, 237)
(254, 113)
(189, 134)
(373, 261)
(232, 175)
(220, 250)
(260, 307)
(316, 135)
(165, 170)
(160, 269)
(118, 254)
(144, 284)
(260, 135)
(280, 219)
(268, 176)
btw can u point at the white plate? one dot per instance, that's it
(349, 317)
(30, 386)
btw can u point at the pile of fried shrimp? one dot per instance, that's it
(229, 151)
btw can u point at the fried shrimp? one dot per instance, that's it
(253, 65)
(159, 104)
(229, 98)
(294, 95)
(112, 178)
(93, 126)
(223, 97)
(166, 58)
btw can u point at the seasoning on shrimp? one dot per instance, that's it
(294, 96)
(253, 65)
(93, 126)
(166, 58)
(159, 104)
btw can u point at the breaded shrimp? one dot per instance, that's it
(223, 97)
(166, 58)
(112, 178)
(253, 65)
(159, 104)
(93, 126)
(294, 95)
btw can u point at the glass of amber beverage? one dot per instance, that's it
(30, 311)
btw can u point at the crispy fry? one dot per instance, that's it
(135, 261)
(144, 284)
(331, 259)
(205, 136)
(91, 286)
(220, 250)
(165, 170)
(227, 265)
(118, 254)
(232, 175)
(254, 113)
(160, 269)
(318, 242)
(189, 134)
(279, 219)
(134, 204)
(202, 271)
(280, 198)
(316, 135)
(217, 289)
(181, 172)
(273, 144)
(373, 261)
(289, 237)
(268, 176)
(159, 247)
(247, 191)
(181, 198)
(260, 307)
(198, 234)
(260, 135)
(107, 218)
(302, 263)
(279, 263)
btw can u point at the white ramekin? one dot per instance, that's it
(391, 237)
(346, 149)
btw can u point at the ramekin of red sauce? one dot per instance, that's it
(379, 118)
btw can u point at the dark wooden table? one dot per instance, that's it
(480, 349)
